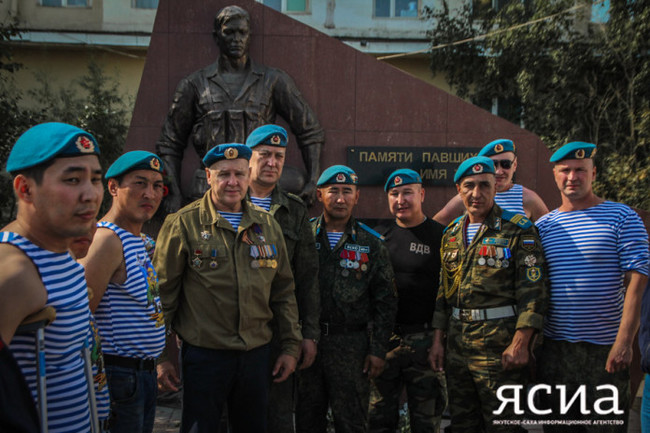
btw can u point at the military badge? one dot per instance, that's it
(354, 177)
(478, 168)
(340, 178)
(498, 148)
(231, 153)
(580, 154)
(155, 164)
(397, 181)
(530, 260)
(85, 144)
(528, 243)
(275, 139)
(206, 235)
(533, 274)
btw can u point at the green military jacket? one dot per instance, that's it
(219, 287)
(504, 265)
(352, 296)
(291, 213)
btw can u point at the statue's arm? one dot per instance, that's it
(310, 137)
(174, 139)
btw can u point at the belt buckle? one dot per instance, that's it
(325, 328)
(466, 315)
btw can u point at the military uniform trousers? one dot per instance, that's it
(474, 374)
(575, 364)
(336, 379)
(407, 365)
(281, 398)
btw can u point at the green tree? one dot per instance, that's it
(570, 79)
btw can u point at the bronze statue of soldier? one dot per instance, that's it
(225, 101)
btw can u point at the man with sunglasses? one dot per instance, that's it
(510, 196)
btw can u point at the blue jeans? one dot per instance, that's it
(212, 378)
(645, 406)
(133, 399)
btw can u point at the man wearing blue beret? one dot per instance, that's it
(491, 302)
(57, 181)
(224, 275)
(597, 253)
(509, 196)
(358, 304)
(269, 145)
(125, 297)
(413, 241)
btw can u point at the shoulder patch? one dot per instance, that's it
(517, 219)
(452, 224)
(371, 231)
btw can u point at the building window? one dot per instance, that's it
(396, 9)
(481, 7)
(65, 3)
(288, 6)
(600, 12)
(145, 4)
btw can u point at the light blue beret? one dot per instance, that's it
(403, 176)
(574, 150)
(497, 146)
(474, 165)
(272, 135)
(227, 151)
(338, 174)
(47, 141)
(135, 160)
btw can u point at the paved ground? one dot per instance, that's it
(168, 417)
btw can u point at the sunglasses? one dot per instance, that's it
(506, 164)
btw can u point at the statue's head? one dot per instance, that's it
(232, 31)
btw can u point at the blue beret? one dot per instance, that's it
(272, 135)
(227, 151)
(497, 146)
(135, 160)
(338, 174)
(403, 176)
(472, 166)
(574, 150)
(47, 141)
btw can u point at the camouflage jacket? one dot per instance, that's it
(357, 295)
(290, 212)
(504, 265)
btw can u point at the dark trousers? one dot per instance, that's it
(212, 378)
(133, 399)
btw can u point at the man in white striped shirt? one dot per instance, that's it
(597, 253)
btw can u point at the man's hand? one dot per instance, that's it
(373, 366)
(307, 355)
(619, 358)
(437, 352)
(517, 353)
(308, 193)
(167, 377)
(284, 366)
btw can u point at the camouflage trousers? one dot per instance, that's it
(336, 379)
(474, 374)
(573, 365)
(281, 398)
(407, 365)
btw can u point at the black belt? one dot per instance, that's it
(327, 328)
(133, 363)
(411, 328)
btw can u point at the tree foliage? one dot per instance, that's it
(571, 79)
(92, 102)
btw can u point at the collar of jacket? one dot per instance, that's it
(492, 220)
(350, 227)
(209, 215)
(277, 198)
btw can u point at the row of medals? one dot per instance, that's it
(353, 261)
(494, 256)
(264, 256)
